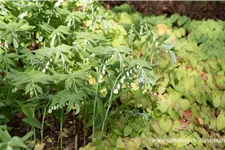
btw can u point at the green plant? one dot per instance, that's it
(113, 71)
(8, 142)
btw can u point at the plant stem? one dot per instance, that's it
(152, 58)
(84, 130)
(42, 124)
(95, 103)
(61, 129)
(33, 128)
(110, 101)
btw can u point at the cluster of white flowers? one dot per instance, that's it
(122, 79)
(21, 16)
(141, 30)
(92, 55)
(99, 19)
(117, 88)
(115, 91)
(100, 79)
(103, 69)
(58, 2)
(131, 71)
(85, 43)
(70, 22)
(46, 66)
(138, 66)
(56, 107)
(86, 60)
(127, 74)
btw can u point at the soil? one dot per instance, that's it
(195, 10)
(72, 127)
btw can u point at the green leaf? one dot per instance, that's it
(216, 101)
(173, 57)
(9, 147)
(123, 49)
(146, 143)
(39, 89)
(167, 46)
(127, 130)
(3, 146)
(174, 18)
(220, 122)
(100, 108)
(28, 87)
(185, 104)
(119, 143)
(163, 106)
(182, 20)
(100, 50)
(15, 43)
(130, 144)
(26, 27)
(18, 142)
(5, 136)
(47, 27)
(33, 122)
(28, 111)
(156, 127)
(117, 132)
(119, 41)
(63, 29)
(138, 142)
(9, 39)
(19, 78)
(212, 124)
(165, 124)
(109, 81)
(140, 62)
(27, 136)
(182, 143)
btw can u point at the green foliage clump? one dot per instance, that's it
(118, 67)
(55, 59)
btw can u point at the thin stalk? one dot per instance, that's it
(75, 132)
(78, 127)
(131, 37)
(36, 96)
(33, 128)
(110, 101)
(95, 103)
(152, 58)
(84, 130)
(61, 129)
(42, 125)
(76, 142)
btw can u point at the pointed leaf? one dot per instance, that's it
(5, 136)
(15, 43)
(127, 130)
(220, 122)
(18, 142)
(33, 122)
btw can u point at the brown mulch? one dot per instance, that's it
(72, 127)
(196, 10)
